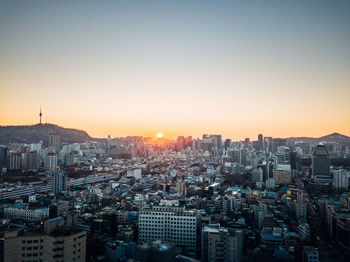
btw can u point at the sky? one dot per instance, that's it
(236, 68)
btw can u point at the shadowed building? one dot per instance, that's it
(321, 164)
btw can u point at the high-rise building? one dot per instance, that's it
(235, 155)
(282, 174)
(181, 188)
(215, 141)
(51, 162)
(247, 142)
(268, 144)
(68, 159)
(33, 161)
(301, 211)
(54, 141)
(14, 160)
(261, 142)
(293, 160)
(227, 143)
(171, 224)
(180, 143)
(341, 179)
(276, 142)
(260, 212)
(3, 156)
(59, 182)
(258, 175)
(304, 232)
(221, 244)
(110, 223)
(321, 164)
(270, 183)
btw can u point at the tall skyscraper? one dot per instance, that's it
(227, 143)
(59, 182)
(293, 160)
(321, 163)
(261, 142)
(247, 142)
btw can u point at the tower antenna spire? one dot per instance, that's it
(40, 114)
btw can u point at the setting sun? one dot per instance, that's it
(159, 135)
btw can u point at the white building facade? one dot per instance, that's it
(171, 224)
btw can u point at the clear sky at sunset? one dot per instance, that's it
(280, 68)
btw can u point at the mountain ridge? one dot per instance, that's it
(334, 137)
(40, 132)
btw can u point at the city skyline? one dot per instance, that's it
(163, 130)
(161, 135)
(184, 68)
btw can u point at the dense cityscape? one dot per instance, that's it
(174, 131)
(184, 199)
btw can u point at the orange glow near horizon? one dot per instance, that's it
(229, 129)
(126, 68)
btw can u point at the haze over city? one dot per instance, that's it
(280, 68)
(175, 130)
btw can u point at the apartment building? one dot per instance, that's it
(57, 244)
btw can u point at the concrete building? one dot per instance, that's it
(14, 161)
(282, 174)
(3, 156)
(340, 227)
(122, 216)
(341, 179)
(304, 232)
(25, 213)
(62, 244)
(36, 147)
(270, 183)
(181, 188)
(117, 250)
(172, 224)
(258, 175)
(59, 182)
(310, 254)
(33, 160)
(51, 162)
(221, 244)
(321, 163)
(54, 141)
(301, 211)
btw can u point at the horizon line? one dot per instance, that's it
(169, 137)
